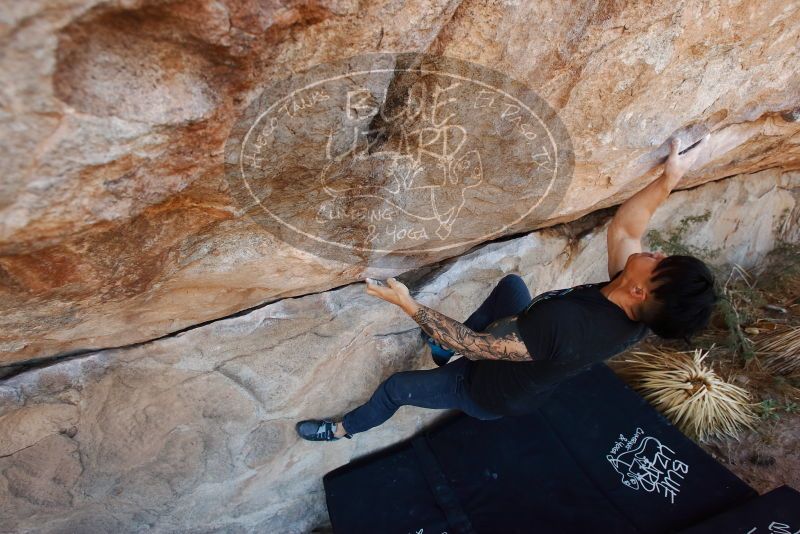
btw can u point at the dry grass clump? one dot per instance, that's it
(688, 392)
(779, 351)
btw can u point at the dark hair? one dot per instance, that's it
(683, 301)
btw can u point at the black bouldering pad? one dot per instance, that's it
(595, 457)
(776, 512)
(652, 473)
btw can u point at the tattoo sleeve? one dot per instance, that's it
(502, 343)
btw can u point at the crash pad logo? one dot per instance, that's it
(775, 527)
(646, 464)
(386, 159)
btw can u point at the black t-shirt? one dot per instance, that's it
(565, 330)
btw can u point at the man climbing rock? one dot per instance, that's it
(516, 349)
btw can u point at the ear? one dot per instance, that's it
(638, 292)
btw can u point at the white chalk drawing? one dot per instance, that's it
(646, 464)
(775, 527)
(383, 158)
(426, 178)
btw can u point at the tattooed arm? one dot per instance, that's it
(502, 343)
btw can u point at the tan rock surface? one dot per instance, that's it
(116, 225)
(194, 433)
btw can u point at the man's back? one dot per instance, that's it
(564, 330)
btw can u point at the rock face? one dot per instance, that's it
(117, 225)
(158, 341)
(194, 433)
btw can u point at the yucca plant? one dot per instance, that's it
(778, 351)
(683, 387)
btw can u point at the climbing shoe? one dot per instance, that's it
(318, 430)
(439, 354)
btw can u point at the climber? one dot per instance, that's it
(516, 349)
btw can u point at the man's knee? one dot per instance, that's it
(513, 283)
(512, 279)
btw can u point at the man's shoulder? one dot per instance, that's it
(584, 308)
(552, 297)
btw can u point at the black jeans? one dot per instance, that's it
(442, 387)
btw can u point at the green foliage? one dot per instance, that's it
(674, 242)
(768, 410)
